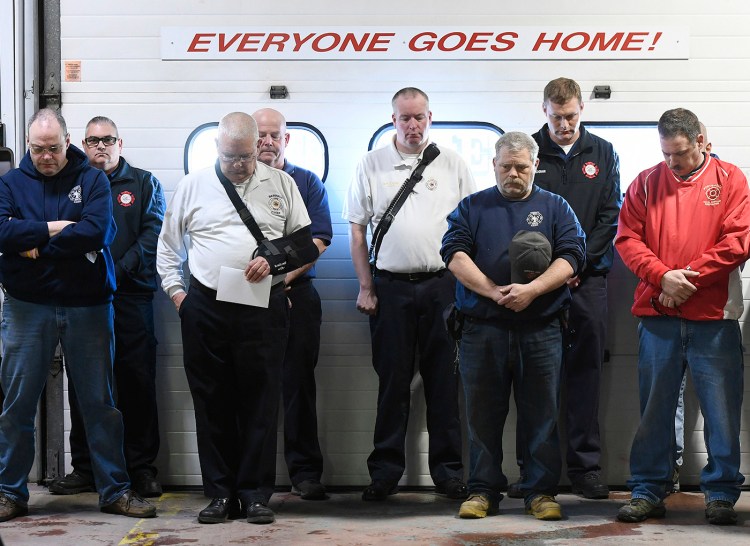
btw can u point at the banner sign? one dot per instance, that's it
(422, 43)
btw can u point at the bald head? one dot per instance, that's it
(273, 137)
(48, 141)
(706, 146)
(238, 125)
(236, 145)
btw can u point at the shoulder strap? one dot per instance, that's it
(429, 153)
(245, 215)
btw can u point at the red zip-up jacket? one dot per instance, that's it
(702, 223)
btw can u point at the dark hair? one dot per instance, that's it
(561, 90)
(105, 121)
(679, 122)
(410, 92)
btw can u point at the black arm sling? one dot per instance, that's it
(282, 254)
(430, 153)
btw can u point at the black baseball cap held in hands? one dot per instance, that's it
(530, 255)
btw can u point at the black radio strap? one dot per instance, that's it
(245, 215)
(429, 153)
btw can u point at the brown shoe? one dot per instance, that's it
(10, 509)
(132, 505)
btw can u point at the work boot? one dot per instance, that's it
(590, 486)
(641, 509)
(721, 512)
(10, 509)
(544, 507)
(130, 504)
(477, 506)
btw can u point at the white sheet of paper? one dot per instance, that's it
(234, 288)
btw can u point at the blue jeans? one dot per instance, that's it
(493, 357)
(30, 333)
(713, 352)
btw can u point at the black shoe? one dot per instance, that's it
(379, 490)
(145, 483)
(453, 488)
(258, 512)
(590, 486)
(514, 489)
(310, 490)
(132, 505)
(10, 509)
(721, 512)
(218, 510)
(72, 484)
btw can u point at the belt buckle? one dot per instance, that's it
(415, 276)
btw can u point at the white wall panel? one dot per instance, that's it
(158, 103)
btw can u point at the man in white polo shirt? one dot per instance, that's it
(233, 353)
(405, 293)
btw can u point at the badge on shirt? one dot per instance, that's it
(590, 169)
(76, 195)
(125, 199)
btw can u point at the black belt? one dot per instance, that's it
(409, 277)
(194, 283)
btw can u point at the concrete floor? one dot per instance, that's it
(414, 518)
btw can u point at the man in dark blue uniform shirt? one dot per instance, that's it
(138, 209)
(301, 446)
(584, 169)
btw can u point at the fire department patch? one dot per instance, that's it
(713, 195)
(76, 195)
(276, 205)
(431, 184)
(590, 169)
(534, 218)
(125, 199)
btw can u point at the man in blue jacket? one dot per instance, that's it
(512, 323)
(56, 270)
(138, 208)
(584, 169)
(304, 459)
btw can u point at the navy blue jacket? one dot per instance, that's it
(483, 225)
(588, 177)
(62, 275)
(138, 207)
(316, 201)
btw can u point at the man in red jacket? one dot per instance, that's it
(685, 232)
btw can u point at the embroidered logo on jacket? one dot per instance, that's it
(590, 169)
(534, 218)
(126, 198)
(431, 184)
(75, 195)
(276, 205)
(713, 195)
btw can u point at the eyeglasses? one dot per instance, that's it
(93, 141)
(40, 150)
(241, 159)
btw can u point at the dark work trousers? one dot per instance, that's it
(582, 371)
(233, 357)
(410, 316)
(135, 381)
(301, 447)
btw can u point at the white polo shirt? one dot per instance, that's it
(412, 244)
(202, 225)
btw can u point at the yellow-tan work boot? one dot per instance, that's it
(477, 506)
(544, 507)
